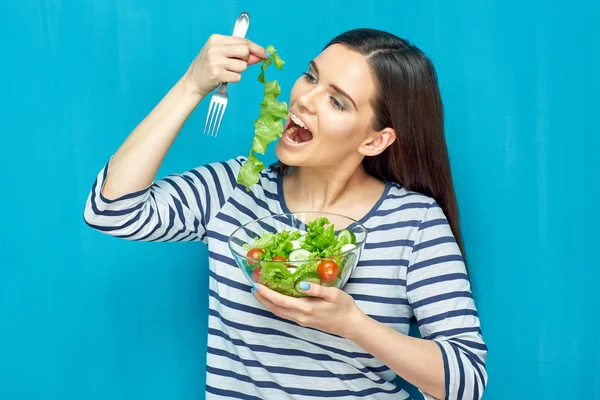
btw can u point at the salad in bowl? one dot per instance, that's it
(282, 250)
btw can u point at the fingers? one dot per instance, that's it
(255, 49)
(279, 311)
(329, 294)
(222, 59)
(228, 76)
(301, 316)
(242, 52)
(305, 306)
(254, 59)
(222, 40)
(234, 65)
(276, 298)
(236, 57)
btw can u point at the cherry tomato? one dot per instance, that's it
(256, 274)
(328, 271)
(254, 253)
(279, 258)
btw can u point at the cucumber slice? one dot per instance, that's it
(312, 277)
(299, 255)
(347, 247)
(346, 233)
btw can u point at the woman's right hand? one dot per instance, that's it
(222, 59)
(136, 162)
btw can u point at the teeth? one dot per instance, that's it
(289, 133)
(297, 121)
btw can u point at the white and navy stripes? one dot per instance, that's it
(411, 267)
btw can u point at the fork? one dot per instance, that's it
(218, 101)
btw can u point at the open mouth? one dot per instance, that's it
(296, 132)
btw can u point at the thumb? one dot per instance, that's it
(254, 59)
(257, 52)
(316, 290)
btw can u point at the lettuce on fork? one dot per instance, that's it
(269, 124)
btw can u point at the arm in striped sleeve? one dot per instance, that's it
(439, 292)
(173, 209)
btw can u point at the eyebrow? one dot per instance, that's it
(335, 87)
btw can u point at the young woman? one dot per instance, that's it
(372, 148)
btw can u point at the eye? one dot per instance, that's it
(337, 105)
(309, 78)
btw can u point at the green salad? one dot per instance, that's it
(284, 259)
(269, 124)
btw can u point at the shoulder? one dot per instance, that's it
(219, 173)
(427, 224)
(413, 209)
(232, 165)
(225, 173)
(235, 164)
(400, 200)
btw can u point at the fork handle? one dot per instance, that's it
(239, 29)
(241, 25)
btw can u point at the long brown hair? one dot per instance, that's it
(408, 100)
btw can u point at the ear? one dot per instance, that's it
(378, 142)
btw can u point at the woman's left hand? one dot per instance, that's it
(328, 309)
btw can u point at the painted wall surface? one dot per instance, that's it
(86, 316)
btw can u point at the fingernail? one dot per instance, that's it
(255, 285)
(304, 285)
(252, 290)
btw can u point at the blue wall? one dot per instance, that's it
(85, 316)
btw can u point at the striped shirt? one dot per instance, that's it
(411, 266)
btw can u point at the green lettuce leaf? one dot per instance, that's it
(269, 124)
(306, 269)
(278, 61)
(279, 244)
(320, 239)
(250, 171)
(276, 276)
(266, 240)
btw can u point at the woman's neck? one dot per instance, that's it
(341, 190)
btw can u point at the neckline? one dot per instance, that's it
(363, 220)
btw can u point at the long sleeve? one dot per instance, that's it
(439, 292)
(175, 208)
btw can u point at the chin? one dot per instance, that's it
(284, 156)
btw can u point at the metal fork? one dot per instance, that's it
(218, 101)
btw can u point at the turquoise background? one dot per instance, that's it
(86, 316)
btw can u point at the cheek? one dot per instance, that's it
(338, 125)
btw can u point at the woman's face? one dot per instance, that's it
(331, 100)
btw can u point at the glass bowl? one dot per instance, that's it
(316, 247)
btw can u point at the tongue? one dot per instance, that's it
(304, 134)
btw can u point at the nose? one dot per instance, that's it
(307, 100)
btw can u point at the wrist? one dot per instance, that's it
(358, 325)
(189, 88)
